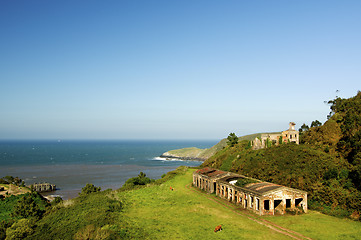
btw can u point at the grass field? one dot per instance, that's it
(320, 226)
(185, 214)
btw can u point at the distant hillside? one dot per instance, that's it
(327, 163)
(194, 153)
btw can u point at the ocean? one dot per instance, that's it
(71, 164)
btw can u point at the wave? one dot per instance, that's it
(172, 159)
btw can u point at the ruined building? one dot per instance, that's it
(288, 136)
(263, 198)
(43, 187)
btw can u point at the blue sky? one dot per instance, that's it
(172, 69)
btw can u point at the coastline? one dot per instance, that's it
(70, 179)
(166, 156)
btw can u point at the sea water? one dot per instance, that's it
(70, 165)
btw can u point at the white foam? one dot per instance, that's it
(172, 159)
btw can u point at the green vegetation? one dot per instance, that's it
(89, 188)
(232, 139)
(185, 214)
(12, 180)
(319, 226)
(91, 215)
(327, 163)
(194, 152)
(154, 211)
(7, 205)
(30, 205)
(224, 158)
(140, 180)
(22, 206)
(243, 182)
(187, 152)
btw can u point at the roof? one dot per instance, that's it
(211, 172)
(259, 188)
(262, 187)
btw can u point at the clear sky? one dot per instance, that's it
(172, 69)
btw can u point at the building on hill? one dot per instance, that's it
(263, 198)
(206, 178)
(291, 135)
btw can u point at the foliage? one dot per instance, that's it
(224, 158)
(304, 128)
(56, 200)
(316, 123)
(12, 180)
(244, 181)
(3, 226)
(30, 205)
(232, 139)
(327, 165)
(141, 179)
(20, 229)
(7, 205)
(70, 218)
(89, 188)
(92, 232)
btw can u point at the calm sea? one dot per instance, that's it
(71, 164)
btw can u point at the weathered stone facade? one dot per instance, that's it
(43, 187)
(288, 136)
(263, 198)
(206, 178)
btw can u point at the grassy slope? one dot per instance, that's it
(185, 214)
(319, 226)
(187, 152)
(156, 212)
(70, 217)
(207, 153)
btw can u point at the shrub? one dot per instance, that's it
(19, 230)
(28, 206)
(89, 188)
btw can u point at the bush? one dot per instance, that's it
(89, 188)
(19, 230)
(141, 179)
(28, 206)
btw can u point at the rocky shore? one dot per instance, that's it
(169, 156)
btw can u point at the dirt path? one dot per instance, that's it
(233, 208)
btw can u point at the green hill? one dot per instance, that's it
(203, 154)
(154, 211)
(194, 153)
(327, 163)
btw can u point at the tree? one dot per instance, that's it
(232, 139)
(304, 128)
(141, 179)
(316, 123)
(27, 207)
(11, 180)
(89, 188)
(19, 230)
